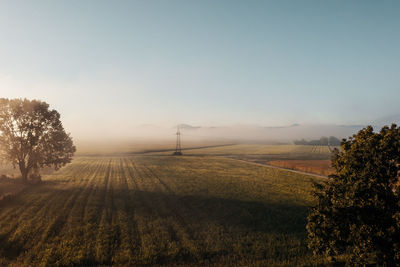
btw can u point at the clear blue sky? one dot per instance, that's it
(204, 62)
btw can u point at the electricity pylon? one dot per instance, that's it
(178, 149)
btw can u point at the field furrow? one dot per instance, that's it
(179, 228)
(156, 248)
(130, 242)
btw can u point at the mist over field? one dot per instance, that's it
(148, 137)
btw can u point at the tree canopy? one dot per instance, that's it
(358, 208)
(323, 141)
(32, 136)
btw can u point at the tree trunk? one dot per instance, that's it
(24, 172)
(24, 175)
(35, 175)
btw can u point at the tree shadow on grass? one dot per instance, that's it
(9, 250)
(238, 223)
(194, 213)
(256, 216)
(250, 216)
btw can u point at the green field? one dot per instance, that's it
(159, 210)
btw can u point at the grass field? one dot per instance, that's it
(159, 210)
(320, 167)
(261, 152)
(257, 149)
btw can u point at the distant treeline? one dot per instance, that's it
(323, 141)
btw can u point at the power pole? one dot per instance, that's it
(178, 149)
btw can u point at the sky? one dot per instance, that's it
(114, 65)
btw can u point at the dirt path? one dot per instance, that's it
(281, 168)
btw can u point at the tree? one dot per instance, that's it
(32, 136)
(323, 141)
(333, 141)
(300, 142)
(358, 208)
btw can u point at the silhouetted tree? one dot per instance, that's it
(358, 209)
(32, 136)
(333, 141)
(323, 141)
(300, 142)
